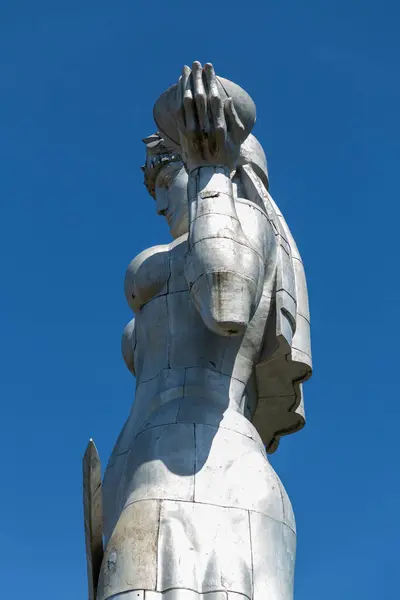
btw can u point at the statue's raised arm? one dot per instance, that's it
(224, 268)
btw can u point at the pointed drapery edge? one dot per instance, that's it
(93, 516)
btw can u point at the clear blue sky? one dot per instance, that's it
(78, 79)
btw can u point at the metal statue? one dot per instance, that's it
(219, 347)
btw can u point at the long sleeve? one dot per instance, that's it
(222, 267)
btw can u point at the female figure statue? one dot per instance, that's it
(219, 347)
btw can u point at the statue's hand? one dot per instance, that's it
(209, 128)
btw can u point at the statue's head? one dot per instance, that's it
(166, 180)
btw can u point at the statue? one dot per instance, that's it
(219, 347)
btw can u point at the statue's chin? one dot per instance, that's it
(178, 229)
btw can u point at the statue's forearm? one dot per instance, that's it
(222, 268)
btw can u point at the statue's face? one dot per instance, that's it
(171, 197)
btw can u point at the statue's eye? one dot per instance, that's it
(167, 176)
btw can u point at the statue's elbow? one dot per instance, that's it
(227, 328)
(226, 302)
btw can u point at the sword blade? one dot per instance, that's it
(93, 516)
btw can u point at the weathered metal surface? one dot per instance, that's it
(204, 547)
(179, 594)
(130, 559)
(273, 555)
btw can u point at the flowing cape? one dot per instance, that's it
(285, 359)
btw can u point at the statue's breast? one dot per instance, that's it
(147, 276)
(155, 272)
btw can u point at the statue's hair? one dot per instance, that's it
(158, 155)
(252, 153)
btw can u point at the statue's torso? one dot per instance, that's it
(180, 365)
(170, 335)
(173, 348)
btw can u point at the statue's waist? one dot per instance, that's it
(190, 382)
(192, 394)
